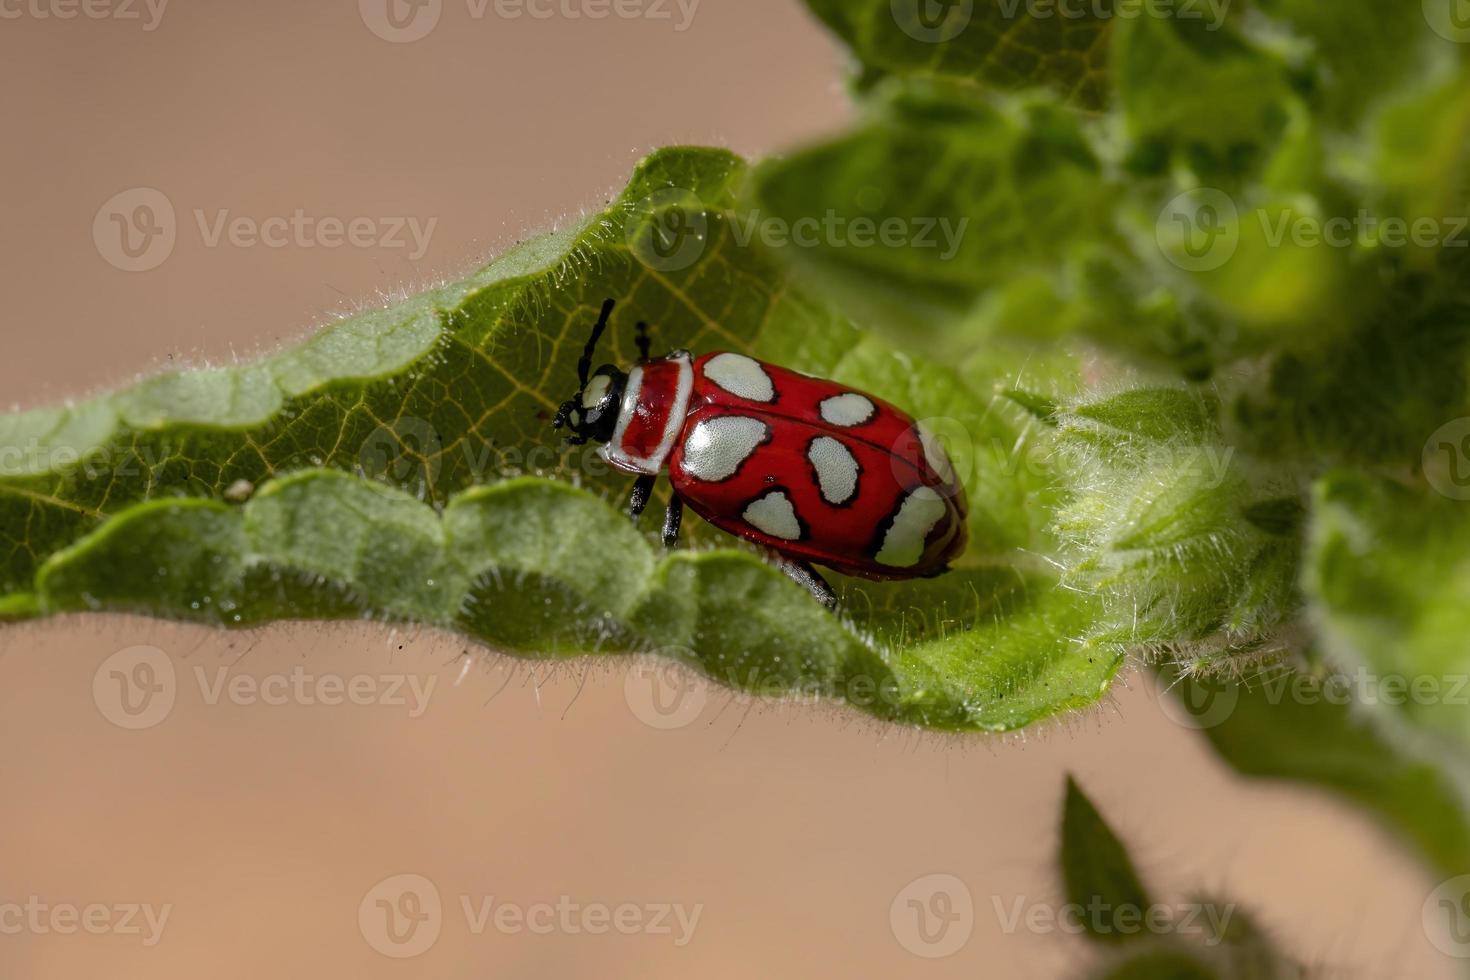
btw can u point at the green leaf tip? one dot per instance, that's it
(1098, 873)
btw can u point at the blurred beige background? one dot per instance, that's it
(547, 810)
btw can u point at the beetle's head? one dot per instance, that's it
(592, 412)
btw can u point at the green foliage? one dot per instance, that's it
(990, 42)
(1306, 723)
(1198, 937)
(1097, 870)
(1388, 579)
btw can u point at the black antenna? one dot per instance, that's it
(585, 364)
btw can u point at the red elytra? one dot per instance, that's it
(815, 471)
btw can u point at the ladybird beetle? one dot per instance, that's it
(812, 470)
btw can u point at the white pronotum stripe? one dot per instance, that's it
(613, 451)
(903, 544)
(773, 514)
(847, 409)
(740, 376)
(837, 470)
(715, 448)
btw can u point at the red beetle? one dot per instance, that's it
(817, 472)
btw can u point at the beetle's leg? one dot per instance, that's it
(672, 519)
(806, 576)
(643, 343)
(642, 490)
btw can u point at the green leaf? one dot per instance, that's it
(993, 43)
(1183, 539)
(1346, 75)
(955, 194)
(399, 466)
(1388, 581)
(1162, 964)
(1309, 724)
(1196, 90)
(1373, 399)
(1098, 873)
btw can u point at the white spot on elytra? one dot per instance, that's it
(741, 376)
(716, 447)
(837, 470)
(847, 410)
(903, 544)
(934, 453)
(773, 514)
